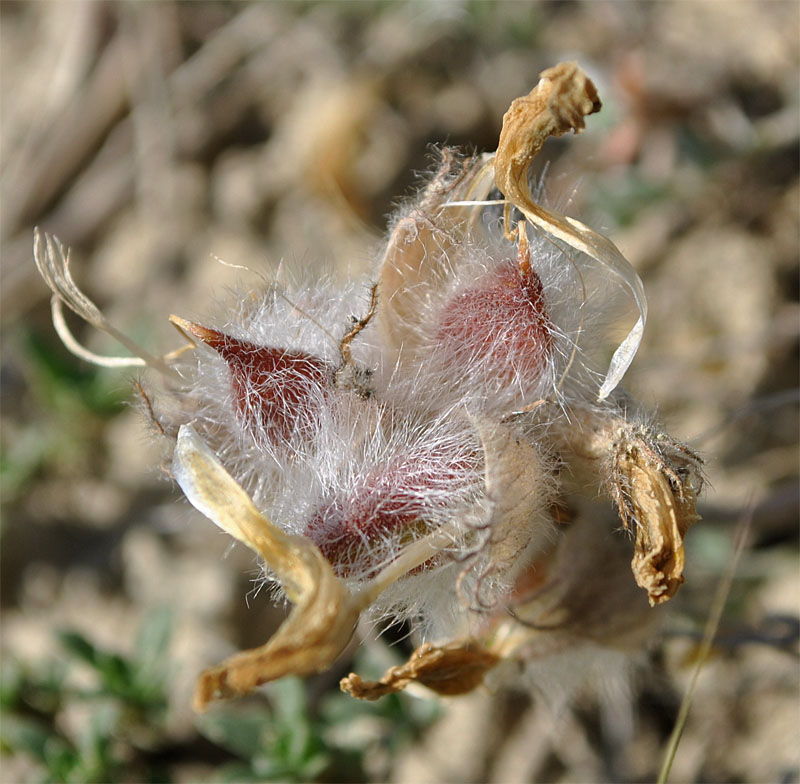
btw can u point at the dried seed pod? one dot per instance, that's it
(401, 499)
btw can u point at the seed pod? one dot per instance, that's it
(495, 332)
(276, 393)
(390, 505)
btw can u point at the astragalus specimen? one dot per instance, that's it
(429, 445)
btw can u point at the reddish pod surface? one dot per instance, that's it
(496, 331)
(359, 528)
(276, 392)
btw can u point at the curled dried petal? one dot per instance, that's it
(662, 506)
(558, 103)
(652, 479)
(324, 617)
(451, 669)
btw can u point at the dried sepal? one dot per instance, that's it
(652, 479)
(558, 103)
(579, 591)
(450, 669)
(325, 615)
(350, 375)
(417, 252)
(518, 493)
(653, 487)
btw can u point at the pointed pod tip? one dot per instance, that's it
(211, 337)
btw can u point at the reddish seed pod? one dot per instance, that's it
(359, 527)
(276, 392)
(496, 331)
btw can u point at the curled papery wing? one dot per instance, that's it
(600, 248)
(558, 103)
(324, 616)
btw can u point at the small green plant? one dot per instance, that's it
(293, 740)
(125, 699)
(123, 732)
(76, 401)
(283, 743)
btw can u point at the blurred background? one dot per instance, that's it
(151, 137)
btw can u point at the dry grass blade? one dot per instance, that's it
(717, 607)
(52, 260)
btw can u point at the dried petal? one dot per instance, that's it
(324, 617)
(653, 480)
(451, 669)
(663, 516)
(558, 103)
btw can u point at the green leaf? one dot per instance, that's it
(243, 732)
(65, 383)
(12, 682)
(78, 646)
(152, 640)
(18, 734)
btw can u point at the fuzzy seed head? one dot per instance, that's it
(403, 456)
